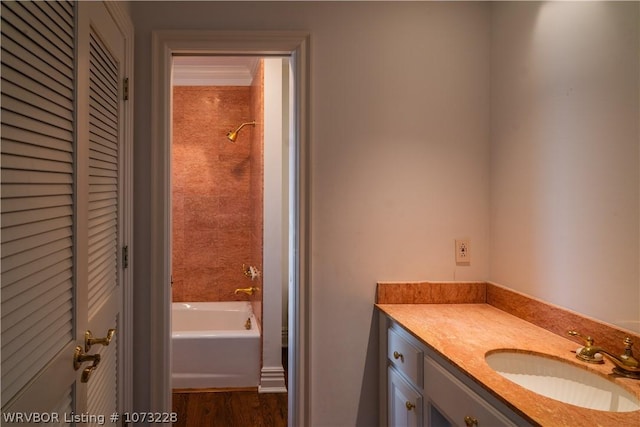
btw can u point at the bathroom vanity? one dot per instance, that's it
(434, 372)
(424, 389)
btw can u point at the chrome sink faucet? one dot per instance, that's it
(626, 364)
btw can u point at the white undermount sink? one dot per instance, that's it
(562, 380)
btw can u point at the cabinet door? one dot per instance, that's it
(405, 403)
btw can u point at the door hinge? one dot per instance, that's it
(125, 89)
(125, 256)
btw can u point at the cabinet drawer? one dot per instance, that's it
(406, 357)
(455, 400)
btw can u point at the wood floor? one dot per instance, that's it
(230, 409)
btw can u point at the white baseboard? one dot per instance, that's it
(272, 380)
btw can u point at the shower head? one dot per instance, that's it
(233, 135)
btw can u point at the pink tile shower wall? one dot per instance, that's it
(257, 182)
(211, 185)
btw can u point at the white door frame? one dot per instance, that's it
(164, 45)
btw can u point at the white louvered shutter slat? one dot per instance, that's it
(37, 187)
(41, 246)
(103, 163)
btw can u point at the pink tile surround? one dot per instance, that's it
(217, 191)
(555, 319)
(210, 181)
(256, 182)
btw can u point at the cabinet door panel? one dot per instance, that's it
(405, 403)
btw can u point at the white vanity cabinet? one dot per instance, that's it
(404, 372)
(419, 387)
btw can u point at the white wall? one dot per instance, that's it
(404, 97)
(399, 165)
(565, 160)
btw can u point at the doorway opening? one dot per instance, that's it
(230, 210)
(166, 46)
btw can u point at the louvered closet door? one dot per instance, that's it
(61, 221)
(101, 51)
(38, 306)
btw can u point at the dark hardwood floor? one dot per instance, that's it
(231, 408)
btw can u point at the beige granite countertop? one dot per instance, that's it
(463, 333)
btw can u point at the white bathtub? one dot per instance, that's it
(211, 348)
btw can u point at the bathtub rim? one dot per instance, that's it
(203, 306)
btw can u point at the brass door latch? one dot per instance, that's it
(81, 355)
(90, 340)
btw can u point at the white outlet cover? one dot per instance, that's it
(463, 253)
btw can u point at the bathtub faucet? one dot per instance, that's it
(248, 291)
(251, 272)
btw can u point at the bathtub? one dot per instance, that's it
(211, 348)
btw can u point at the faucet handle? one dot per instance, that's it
(628, 351)
(588, 340)
(588, 353)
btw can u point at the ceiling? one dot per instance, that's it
(214, 70)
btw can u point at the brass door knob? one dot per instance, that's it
(80, 357)
(409, 405)
(470, 421)
(397, 356)
(86, 374)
